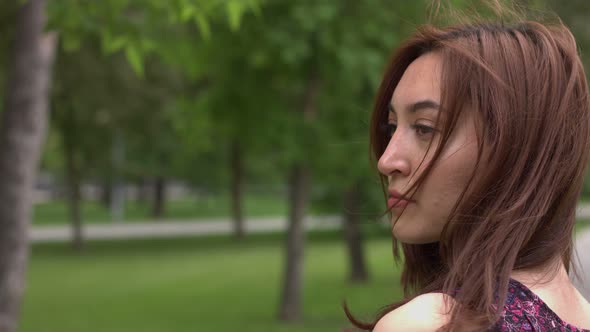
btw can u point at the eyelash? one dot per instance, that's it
(389, 129)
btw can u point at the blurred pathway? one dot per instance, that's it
(204, 227)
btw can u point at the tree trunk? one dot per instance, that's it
(292, 286)
(73, 179)
(143, 192)
(299, 188)
(118, 193)
(353, 236)
(236, 190)
(69, 136)
(159, 197)
(24, 126)
(106, 193)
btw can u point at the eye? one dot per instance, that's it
(423, 130)
(388, 129)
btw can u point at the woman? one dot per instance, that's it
(482, 135)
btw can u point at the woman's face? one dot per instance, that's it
(412, 119)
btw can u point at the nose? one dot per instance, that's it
(395, 158)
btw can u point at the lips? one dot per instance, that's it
(395, 200)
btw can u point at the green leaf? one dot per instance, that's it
(186, 13)
(112, 44)
(148, 44)
(234, 14)
(134, 57)
(203, 24)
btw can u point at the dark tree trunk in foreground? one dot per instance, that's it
(352, 233)
(24, 125)
(159, 197)
(236, 190)
(299, 188)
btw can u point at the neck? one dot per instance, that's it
(550, 276)
(549, 272)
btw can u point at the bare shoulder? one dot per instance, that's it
(425, 313)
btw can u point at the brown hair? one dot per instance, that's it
(526, 83)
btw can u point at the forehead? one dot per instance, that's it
(421, 80)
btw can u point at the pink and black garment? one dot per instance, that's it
(525, 311)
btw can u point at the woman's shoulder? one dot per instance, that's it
(424, 313)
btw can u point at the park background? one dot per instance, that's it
(182, 113)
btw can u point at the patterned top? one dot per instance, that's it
(525, 311)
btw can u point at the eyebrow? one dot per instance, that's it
(419, 105)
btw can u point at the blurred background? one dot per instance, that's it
(205, 165)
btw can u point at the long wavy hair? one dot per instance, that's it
(526, 85)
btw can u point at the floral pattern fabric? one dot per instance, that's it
(525, 311)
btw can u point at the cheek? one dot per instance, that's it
(449, 178)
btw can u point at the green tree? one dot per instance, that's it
(141, 31)
(323, 59)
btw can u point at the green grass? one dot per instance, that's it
(205, 284)
(56, 212)
(199, 284)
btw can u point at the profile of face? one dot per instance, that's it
(412, 125)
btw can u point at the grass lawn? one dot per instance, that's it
(199, 284)
(189, 284)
